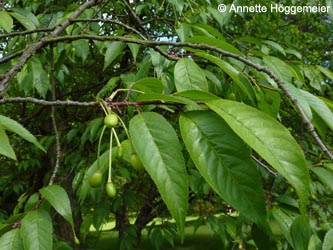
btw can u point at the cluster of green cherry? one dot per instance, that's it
(112, 120)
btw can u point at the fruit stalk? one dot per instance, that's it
(104, 107)
(99, 146)
(110, 158)
(116, 137)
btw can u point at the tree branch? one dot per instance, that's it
(135, 17)
(153, 44)
(10, 57)
(26, 32)
(5, 80)
(46, 103)
(310, 128)
(85, 104)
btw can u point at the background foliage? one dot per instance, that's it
(230, 115)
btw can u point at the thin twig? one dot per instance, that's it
(263, 165)
(319, 164)
(166, 20)
(136, 18)
(53, 118)
(139, 24)
(108, 21)
(26, 32)
(11, 56)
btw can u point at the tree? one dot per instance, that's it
(204, 109)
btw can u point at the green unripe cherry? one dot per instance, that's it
(120, 152)
(232, 96)
(135, 162)
(110, 189)
(96, 179)
(76, 240)
(111, 120)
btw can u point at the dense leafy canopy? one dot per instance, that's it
(223, 115)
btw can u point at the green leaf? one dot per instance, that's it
(197, 95)
(36, 231)
(300, 232)
(40, 79)
(281, 69)
(214, 42)
(149, 84)
(114, 49)
(294, 52)
(183, 31)
(325, 71)
(328, 103)
(215, 83)
(236, 75)
(101, 215)
(315, 243)
(275, 46)
(5, 147)
(158, 148)
(25, 17)
(309, 103)
(14, 126)
(318, 106)
(189, 76)
(328, 240)
(11, 240)
(108, 87)
(324, 175)
(271, 140)
(165, 98)
(221, 18)
(251, 40)
(284, 221)
(25, 80)
(6, 21)
(261, 239)
(314, 75)
(81, 48)
(159, 62)
(268, 101)
(300, 99)
(134, 48)
(59, 200)
(31, 202)
(179, 4)
(207, 30)
(92, 130)
(223, 159)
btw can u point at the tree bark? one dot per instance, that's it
(150, 210)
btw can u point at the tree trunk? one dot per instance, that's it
(150, 210)
(122, 220)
